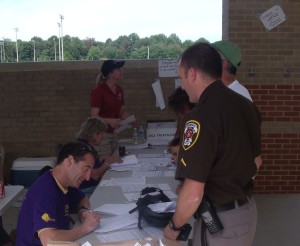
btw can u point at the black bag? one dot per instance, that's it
(152, 218)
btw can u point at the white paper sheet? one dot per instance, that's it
(117, 222)
(116, 236)
(150, 155)
(138, 168)
(156, 161)
(127, 160)
(136, 146)
(158, 94)
(115, 209)
(153, 174)
(162, 207)
(125, 124)
(130, 181)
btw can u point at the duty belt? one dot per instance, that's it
(232, 205)
(225, 207)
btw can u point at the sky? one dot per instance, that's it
(103, 19)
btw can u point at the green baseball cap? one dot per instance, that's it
(230, 50)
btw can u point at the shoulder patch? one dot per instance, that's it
(190, 134)
(47, 218)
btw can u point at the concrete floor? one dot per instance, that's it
(278, 220)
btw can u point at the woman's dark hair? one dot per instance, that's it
(178, 100)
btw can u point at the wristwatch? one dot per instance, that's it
(173, 227)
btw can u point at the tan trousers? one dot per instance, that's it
(239, 227)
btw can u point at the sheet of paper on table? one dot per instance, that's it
(131, 234)
(127, 160)
(115, 209)
(118, 222)
(123, 181)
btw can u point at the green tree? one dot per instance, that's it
(158, 51)
(134, 37)
(94, 53)
(110, 52)
(158, 39)
(173, 51)
(187, 43)
(174, 39)
(124, 47)
(139, 53)
(25, 51)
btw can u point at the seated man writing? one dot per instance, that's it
(46, 209)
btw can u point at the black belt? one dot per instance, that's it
(231, 205)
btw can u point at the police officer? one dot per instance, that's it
(220, 141)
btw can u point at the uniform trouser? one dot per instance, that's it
(239, 227)
(108, 146)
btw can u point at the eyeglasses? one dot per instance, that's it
(85, 149)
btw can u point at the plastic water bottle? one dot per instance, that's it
(135, 136)
(141, 134)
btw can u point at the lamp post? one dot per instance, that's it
(54, 49)
(3, 49)
(16, 30)
(33, 50)
(59, 53)
(62, 37)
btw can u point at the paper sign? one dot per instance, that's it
(160, 136)
(273, 17)
(168, 68)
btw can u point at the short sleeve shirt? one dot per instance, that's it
(221, 138)
(109, 104)
(45, 206)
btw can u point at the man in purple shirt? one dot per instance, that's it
(46, 209)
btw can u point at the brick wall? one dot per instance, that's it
(43, 104)
(270, 70)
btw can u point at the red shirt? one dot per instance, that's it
(109, 104)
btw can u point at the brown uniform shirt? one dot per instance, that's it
(220, 141)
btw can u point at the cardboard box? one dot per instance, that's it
(26, 170)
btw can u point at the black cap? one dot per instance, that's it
(110, 65)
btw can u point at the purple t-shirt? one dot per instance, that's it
(44, 206)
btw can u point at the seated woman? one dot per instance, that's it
(91, 133)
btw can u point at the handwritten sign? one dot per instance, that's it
(273, 17)
(168, 68)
